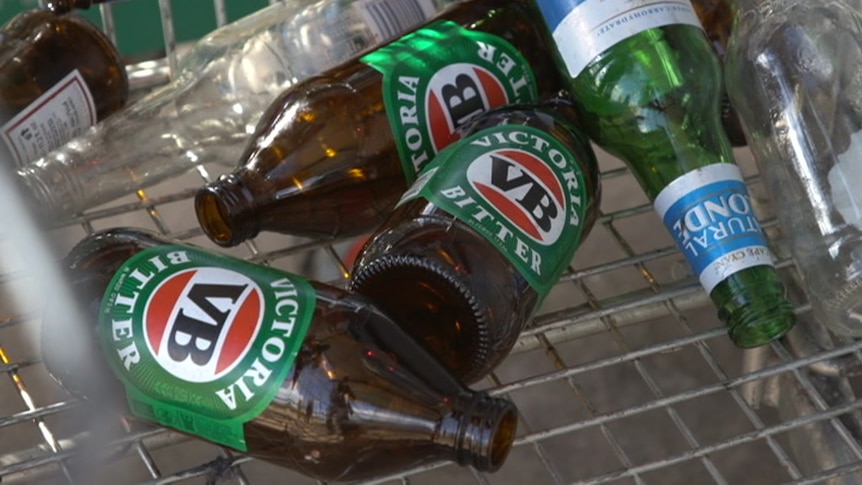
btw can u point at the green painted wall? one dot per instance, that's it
(139, 29)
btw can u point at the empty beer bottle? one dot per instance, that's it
(480, 238)
(333, 154)
(59, 75)
(716, 17)
(649, 94)
(293, 372)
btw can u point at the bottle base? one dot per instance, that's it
(435, 305)
(842, 314)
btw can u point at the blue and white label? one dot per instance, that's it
(708, 212)
(583, 29)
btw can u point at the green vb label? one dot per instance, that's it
(521, 189)
(441, 76)
(202, 342)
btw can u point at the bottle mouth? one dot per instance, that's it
(753, 325)
(487, 433)
(223, 210)
(753, 305)
(415, 290)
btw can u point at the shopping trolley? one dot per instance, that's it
(624, 376)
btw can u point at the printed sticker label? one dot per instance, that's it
(201, 341)
(708, 212)
(58, 115)
(440, 77)
(388, 19)
(583, 29)
(520, 188)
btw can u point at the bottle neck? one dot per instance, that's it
(480, 429)
(226, 208)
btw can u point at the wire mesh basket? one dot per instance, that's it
(624, 376)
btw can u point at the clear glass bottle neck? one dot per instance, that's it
(750, 5)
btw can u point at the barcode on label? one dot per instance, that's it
(388, 19)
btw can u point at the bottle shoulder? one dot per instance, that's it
(105, 251)
(419, 227)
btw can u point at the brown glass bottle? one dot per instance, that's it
(450, 273)
(324, 160)
(361, 398)
(717, 19)
(59, 74)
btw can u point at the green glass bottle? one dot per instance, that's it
(647, 87)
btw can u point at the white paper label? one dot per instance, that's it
(60, 114)
(583, 29)
(708, 212)
(389, 19)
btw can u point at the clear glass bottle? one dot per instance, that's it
(793, 75)
(286, 370)
(647, 87)
(220, 90)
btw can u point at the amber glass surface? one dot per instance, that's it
(323, 162)
(362, 399)
(38, 48)
(449, 285)
(717, 19)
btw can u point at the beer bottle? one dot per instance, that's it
(217, 95)
(649, 94)
(480, 238)
(716, 17)
(286, 370)
(333, 154)
(59, 75)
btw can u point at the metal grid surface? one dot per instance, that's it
(624, 376)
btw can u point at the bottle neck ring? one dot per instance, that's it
(486, 432)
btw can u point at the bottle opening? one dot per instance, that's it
(224, 209)
(753, 305)
(487, 433)
(503, 439)
(213, 219)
